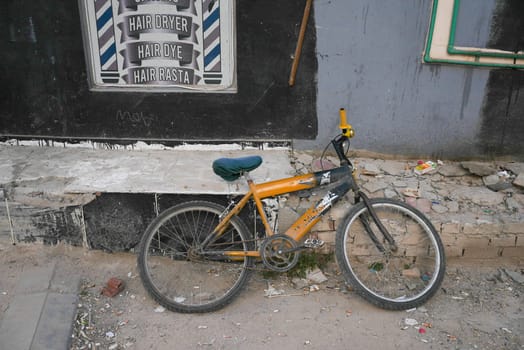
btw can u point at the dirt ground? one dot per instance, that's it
(478, 307)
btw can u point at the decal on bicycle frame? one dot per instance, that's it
(321, 207)
(331, 197)
(326, 202)
(325, 179)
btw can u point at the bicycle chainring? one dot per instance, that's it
(279, 253)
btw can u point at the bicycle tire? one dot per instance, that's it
(177, 275)
(394, 280)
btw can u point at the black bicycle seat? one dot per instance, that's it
(231, 169)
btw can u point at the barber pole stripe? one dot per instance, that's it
(211, 29)
(106, 41)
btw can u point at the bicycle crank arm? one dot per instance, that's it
(308, 244)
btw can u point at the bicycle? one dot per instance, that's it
(197, 256)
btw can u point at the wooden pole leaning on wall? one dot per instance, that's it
(300, 42)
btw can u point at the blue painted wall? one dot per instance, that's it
(370, 61)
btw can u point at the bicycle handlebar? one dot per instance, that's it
(346, 128)
(338, 142)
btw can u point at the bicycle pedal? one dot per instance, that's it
(313, 243)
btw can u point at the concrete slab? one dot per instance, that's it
(34, 280)
(42, 311)
(63, 282)
(56, 323)
(71, 170)
(20, 321)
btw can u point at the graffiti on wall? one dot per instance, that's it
(160, 45)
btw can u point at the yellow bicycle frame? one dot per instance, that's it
(293, 184)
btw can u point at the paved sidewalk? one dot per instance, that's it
(41, 313)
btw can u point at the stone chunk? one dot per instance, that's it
(322, 164)
(411, 273)
(316, 276)
(495, 183)
(480, 169)
(441, 209)
(374, 186)
(453, 206)
(452, 170)
(490, 180)
(499, 186)
(515, 276)
(515, 168)
(519, 180)
(394, 168)
(304, 158)
(300, 283)
(512, 204)
(388, 193)
(369, 169)
(480, 195)
(399, 183)
(422, 204)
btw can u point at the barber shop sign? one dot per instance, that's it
(160, 45)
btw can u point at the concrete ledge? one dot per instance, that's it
(51, 173)
(45, 190)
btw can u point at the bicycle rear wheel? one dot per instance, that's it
(179, 273)
(391, 279)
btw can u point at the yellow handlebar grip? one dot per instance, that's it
(346, 128)
(343, 120)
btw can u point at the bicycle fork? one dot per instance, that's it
(378, 223)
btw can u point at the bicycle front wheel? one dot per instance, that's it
(390, 278)
(183, 275)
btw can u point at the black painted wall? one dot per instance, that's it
(44, 91)
(117, 221)
(503, 108)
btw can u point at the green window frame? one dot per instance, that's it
(441, 48)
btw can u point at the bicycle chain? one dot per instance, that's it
(308, 244)
(257, 242)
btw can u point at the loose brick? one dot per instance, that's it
(473, 242)
(450, 228)
(503, 241)
(339, 212)
(514, 227)
(481, 229)
(327, 236)
(513, 252)
(520, 240)
(363, 250)
(482, 253)
(449, 239)
(286, 218)
(415, 251)
(453, 251)
(292, 201)
(326, 249)
(361, 238)
(325, 224)
(113, 287)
